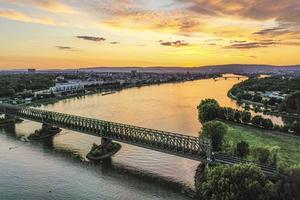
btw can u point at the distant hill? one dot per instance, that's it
(230, 68)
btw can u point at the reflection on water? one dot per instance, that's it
(37, 170)
(169, 107)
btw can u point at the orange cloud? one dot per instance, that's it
(48, 5)
(19, 16)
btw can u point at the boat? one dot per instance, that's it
(107, 93)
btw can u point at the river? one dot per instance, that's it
(51, 170)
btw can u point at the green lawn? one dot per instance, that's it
(289, 153)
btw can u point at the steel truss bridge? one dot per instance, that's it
(190, 147)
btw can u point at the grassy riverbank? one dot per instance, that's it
(289, 146)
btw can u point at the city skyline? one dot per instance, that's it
(51, 34)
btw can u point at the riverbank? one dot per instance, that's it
(269, 110)
(53, 100)
(289, 146)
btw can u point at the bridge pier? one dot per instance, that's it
(6, 119)
(46, 131)
(105, 150)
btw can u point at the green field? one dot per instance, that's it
(289, 146)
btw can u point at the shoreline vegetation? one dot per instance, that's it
(278, 95)
(262, 108)
(216, 181)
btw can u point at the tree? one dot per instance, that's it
(208, 110)
(292, 103)
(246, 117)
(229, 113)
(215, 131)
(272, 101)
(200, 174)
(287, 184)
(257, 120)
(267, 123)
(242, 149)
(237, 116)
(296, 128)
(247, 107)
(261, 154)
(229, 182)
(221, 113)
(257, 98)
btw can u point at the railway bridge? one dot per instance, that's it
(195, 148)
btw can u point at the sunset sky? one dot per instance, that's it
(86, 33)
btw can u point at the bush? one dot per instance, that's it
(242, 149)
(296, 128)
(229, 182)
(261, 154)
(215, 131)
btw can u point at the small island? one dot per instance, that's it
(105, 150)
(46, 131)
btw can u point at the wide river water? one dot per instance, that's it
(51, 169)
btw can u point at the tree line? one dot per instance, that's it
(209, 109)
(284, 85)
(11, 84)
(275, 83)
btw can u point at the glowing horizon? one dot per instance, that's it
(53, 34)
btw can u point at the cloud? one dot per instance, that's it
(64, 48)
(252, 45)
(172, 21)
(91, 38)
(280, 10)
(272, 31)
(177, 43)
(48, 5)
(114, 42)
(19, 16)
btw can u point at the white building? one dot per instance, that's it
(274, 94)
(73, 86)
(66, 87)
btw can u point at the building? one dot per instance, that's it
(72, 86)
(274, 94)
(31, 70)
(66, 87)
